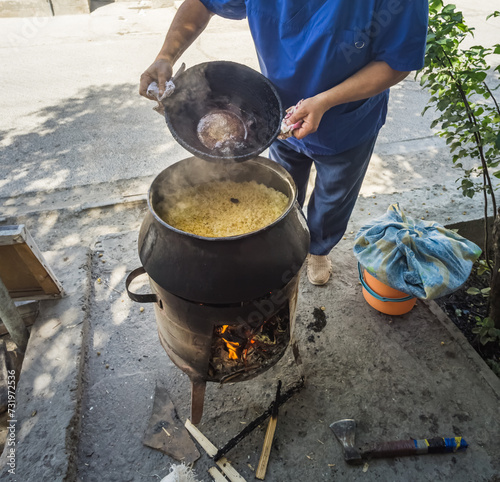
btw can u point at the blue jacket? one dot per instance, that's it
(308, 46)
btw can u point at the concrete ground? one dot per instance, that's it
(79, 149)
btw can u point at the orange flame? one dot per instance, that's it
(231, 346)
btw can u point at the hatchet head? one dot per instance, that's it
(345, 431)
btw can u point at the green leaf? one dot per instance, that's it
(443, 103)
(478, 76)
(473, 291)
(497, 142)
(485, 339)
(426, 108)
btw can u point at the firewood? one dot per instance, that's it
(268, 439)
(211, 450)
(216, 475)
(266, 449)
(259, 420)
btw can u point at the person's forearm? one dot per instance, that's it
(189, 21)
(369, 81)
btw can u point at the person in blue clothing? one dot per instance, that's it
(339, 56)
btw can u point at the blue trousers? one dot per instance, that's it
(336, 190)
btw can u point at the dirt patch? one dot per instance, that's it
(319, 320)
(465, 310)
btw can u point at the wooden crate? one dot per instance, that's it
(23, 269)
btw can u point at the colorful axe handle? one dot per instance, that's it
(399, 448)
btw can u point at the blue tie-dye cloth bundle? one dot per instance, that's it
(420, 258)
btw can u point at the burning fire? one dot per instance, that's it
(235, 349)
(231, 345)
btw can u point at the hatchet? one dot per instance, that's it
(345, 430)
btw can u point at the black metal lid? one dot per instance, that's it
(230, 87)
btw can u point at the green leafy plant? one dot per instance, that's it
(486, 330)
(458, 79)
(483, 267)
(477, 291)
(495, 366)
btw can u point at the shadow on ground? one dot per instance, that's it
(102, 134)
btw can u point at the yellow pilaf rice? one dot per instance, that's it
(223, 208)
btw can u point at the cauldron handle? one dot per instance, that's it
(146, 298)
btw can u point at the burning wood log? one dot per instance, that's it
(236, 350)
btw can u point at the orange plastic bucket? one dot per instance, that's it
(384, 298)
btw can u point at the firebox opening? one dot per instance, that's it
(242, 351)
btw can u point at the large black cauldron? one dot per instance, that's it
(223, 270)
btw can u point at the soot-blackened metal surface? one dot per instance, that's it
(223, 270)
(186, 332)
(219, 86)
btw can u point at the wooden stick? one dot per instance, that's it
(211, 450)
(259, 420)
(229, 471)
(266, 448)
(268, 439)
(216, 475)
(207, 446)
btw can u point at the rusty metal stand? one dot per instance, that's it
(198, 387)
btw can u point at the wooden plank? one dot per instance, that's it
(23, 269)
(4, 386)
(266, 448)
(216, 475)
(38, 269)
(230, 472)
(47, 272)
(206, 445)
(28, 311)
(12, 234)
(15, 274)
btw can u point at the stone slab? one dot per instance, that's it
(49, 389)
(399, 377)
(24, 8)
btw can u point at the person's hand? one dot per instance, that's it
(160, 71)
(310, 112)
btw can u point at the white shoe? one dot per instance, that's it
(319, 269)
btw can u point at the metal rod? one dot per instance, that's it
(259, 420)
(276, 400)
(12, 320)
